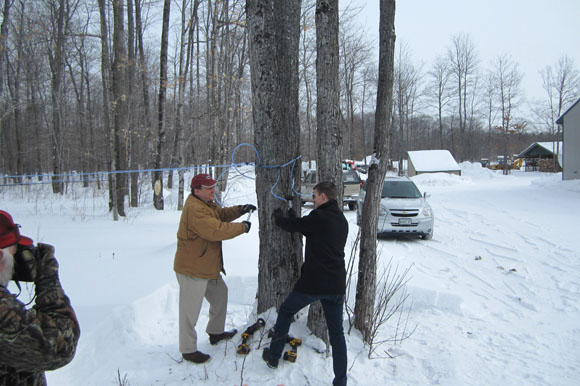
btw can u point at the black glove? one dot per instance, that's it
(25, 265)
(246, 208)
(248, 225)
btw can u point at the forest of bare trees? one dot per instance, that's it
(114, 85)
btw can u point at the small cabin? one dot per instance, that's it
(432, 161)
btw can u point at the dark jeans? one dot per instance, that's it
(332, 305)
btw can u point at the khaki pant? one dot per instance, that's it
(192, 290)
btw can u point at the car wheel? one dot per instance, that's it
(352, 205)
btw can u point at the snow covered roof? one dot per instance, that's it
(550, 147)
(433, 161)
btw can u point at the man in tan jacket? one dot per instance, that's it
(199, 261)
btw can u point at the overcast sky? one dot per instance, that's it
(535, 32)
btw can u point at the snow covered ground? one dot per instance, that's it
(495, 294)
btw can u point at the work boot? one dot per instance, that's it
(196, 357)
(216, 338)
(270, 361)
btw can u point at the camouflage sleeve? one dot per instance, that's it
(43, 337)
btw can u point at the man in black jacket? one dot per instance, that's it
(322, 278)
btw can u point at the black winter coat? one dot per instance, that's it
(326, 230)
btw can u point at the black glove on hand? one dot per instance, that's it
(246, 208)
(25, 265)
(248, 225)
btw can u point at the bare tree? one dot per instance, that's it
(307, 75)
(56, 53)
(4, 38)
(120, 111)
(367, 272)
(439, 92)
(490, 97)
(188, 26)
(355, 55)
(106, 86)
(274, 32)
(507, 82)
(329, 137)
(463, 62)
(405, 89)
(158, 174)
(562, 87)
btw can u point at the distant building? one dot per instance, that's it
(570, 122)
(432, 161)
(539, 156)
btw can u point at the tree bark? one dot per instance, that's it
(329, 136)
(158, 174)
(106, 80)
(366, 285)
(133, 127)
(120, 110)
(274, 31)
(56, 58)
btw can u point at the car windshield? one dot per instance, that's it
(400, 189)
(350, 177)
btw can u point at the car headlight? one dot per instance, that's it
(383, 211)
(427, 212)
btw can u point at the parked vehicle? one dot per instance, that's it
(348, 165)
(403, 210)
(351, 186)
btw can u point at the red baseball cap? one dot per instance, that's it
(9, 233)
(202, 180)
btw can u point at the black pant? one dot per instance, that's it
(332, 305)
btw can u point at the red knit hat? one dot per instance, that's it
(202, 180)
(9, 233)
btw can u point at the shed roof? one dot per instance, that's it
(541, 148)
(433, 161)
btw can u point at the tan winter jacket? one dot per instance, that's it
(202, 228)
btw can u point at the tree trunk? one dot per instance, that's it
(158, 175)
(106, 80)
(329, 137)
(120, 110)
(4, 39)
(56, 58)
(366, 285)
(274, 31)
(149, 142)
(132, 103)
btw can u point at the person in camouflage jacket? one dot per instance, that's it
(40, 338)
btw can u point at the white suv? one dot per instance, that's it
(403, 211)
